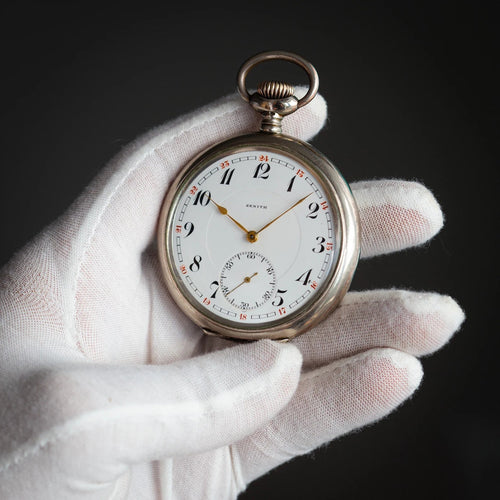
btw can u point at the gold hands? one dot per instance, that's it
(281, 215)
(252, 236)
(246, 279)
(223, 211)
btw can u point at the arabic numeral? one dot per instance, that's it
(227, 176)
(262, 171)
(202, 198)
(290, 185)
(278, 301)
(313, 213)
(189, 227)
(214, 284)
(195, 265)
(304, 278)
(320, 247)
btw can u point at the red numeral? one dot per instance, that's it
(263, 158)
(243, 316)
(193, 190)
(206, 301)
(324, 205)
(224, 164)
(314, 285)
(300, 173)
(329, 246)
(183, 270)
(282, 311)
(178, 229)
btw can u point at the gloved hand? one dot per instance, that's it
(108, 391)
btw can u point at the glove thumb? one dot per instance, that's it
(93, 422)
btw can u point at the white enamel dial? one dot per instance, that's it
(252, 236)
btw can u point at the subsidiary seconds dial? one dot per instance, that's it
(248, 280)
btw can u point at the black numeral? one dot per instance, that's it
(203, 198)
(214, 284)
(313, 207)
(278, 301)
(292, 180)
(262, 171)
(227, 176)
(195, 265)
(189, 227)
(320, 247)
(304, 277)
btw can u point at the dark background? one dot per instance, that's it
(411, 94)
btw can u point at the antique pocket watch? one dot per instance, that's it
(259, 235)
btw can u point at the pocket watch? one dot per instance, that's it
(258, 236)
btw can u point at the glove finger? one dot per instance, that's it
(418, 323)
(93, 422)
(395, 214)
(329, 402)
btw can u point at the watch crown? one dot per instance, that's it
(275, 90)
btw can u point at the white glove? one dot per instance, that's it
(107, 391)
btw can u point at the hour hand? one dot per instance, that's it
(223, 211)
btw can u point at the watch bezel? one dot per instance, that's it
(335, 284)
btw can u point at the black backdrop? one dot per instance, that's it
(411, 95)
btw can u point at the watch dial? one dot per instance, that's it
(252, 237)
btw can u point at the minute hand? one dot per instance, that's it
(283, 213)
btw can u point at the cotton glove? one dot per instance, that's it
(107, 391)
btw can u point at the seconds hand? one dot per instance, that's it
(245, 280)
